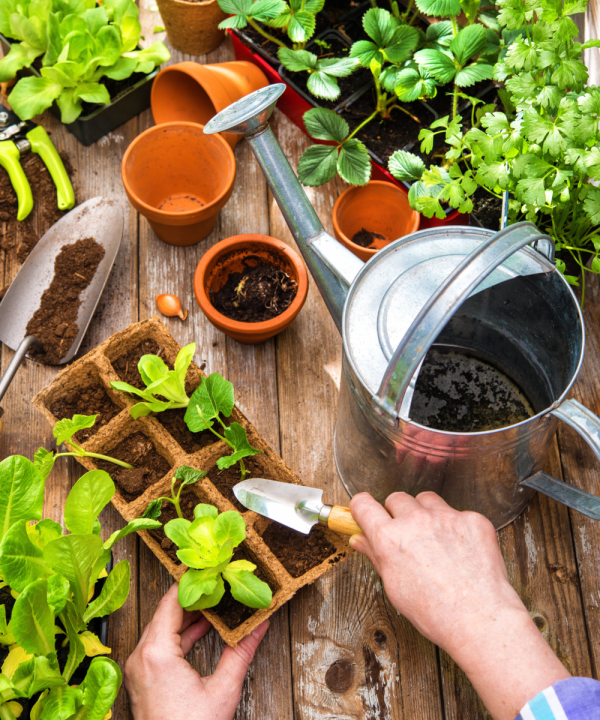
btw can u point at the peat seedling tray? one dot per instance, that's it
(158, 445)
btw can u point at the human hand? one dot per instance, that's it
(162, 684)
(443, 570)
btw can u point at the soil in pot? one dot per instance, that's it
(232, 612)
(257, 294)
(487, 209)
(90, 400)
(224, 480)
(54, 323)
(126, 365)
(149, 465)
(188, 502)
(298, 553)
(19, 238)
(368, 239)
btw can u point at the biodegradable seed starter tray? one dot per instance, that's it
(94, 373)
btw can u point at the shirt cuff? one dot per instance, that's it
(576, 698)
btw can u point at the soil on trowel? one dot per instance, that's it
(259, 293)
(298, 553)
(188, 502)
(149, 466)
(366, 238)
(461, 394)
(19, 238)
(54, 323)
(126, 365)
(224, 480)
(90, 400)
(232, 612)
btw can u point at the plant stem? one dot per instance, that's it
(455, 101)
(5, 712)
(353, 133)
(81, 713)
(408, 9)
(243, 470)
(404, 110)
(257, 27)
(96, 455)
(454, 27)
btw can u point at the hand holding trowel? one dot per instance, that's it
(295, 506)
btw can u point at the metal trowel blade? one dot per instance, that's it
(99, 218)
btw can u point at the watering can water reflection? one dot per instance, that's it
(494, 296)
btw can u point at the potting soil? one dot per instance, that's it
(54, 323)
(126, 365)
(366, 238)
(149, 465)
(259, 293)
(462, 394)
(297, 552)
(87, 400)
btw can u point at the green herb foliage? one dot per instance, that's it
(188, 476)
(80, 42)
(206, 546)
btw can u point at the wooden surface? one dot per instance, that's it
(338, 649)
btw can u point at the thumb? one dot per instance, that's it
(234, 662)
(361, 545)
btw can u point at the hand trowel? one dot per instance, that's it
(295, 506)
(99, 218)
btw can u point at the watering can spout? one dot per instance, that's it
(332, 266)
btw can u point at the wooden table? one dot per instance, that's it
(338, 649)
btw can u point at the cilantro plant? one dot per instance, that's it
(188, 476)
(547, 156)
(206, 546)
(53, 575)
(296, 18)
(63, 432)
(80, 43)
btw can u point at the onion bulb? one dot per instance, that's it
(170, 305)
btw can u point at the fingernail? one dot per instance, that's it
(353, 541)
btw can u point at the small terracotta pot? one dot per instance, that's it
(226, 257)
(190, 92)
(380, 207)
(192, 27)
(179, 178)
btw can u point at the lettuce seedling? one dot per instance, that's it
(165, 389)
(206, 546)
(188, 476)
(63, 432)
(213, 398)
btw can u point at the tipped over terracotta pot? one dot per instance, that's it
(190, 92)
(374, 214)
(235, 255)
(179, 178)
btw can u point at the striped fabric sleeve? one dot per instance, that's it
(573, 699)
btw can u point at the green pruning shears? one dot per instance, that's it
(18, 138)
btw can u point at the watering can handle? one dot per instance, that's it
(588, 426)
(439, 309)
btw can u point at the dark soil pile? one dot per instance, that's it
(298, 553)
(126, 365)
(260, 293)
(91, 400)
(54, 323)
(19, 238)
(232, 612)
(149, 466)
(174, 423)
(224, 480)
(462, 394)
(365, 238)
(188, 502)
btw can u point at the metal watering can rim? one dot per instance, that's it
(335, 268)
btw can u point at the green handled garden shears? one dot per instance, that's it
(18, 138)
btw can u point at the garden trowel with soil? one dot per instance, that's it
(296, 506)
(101, 219)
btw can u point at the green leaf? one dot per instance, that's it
(531, 190)
(194, 584)
(495, 123)
(266, 9)
(529, 165)
(100, 687)
(113, 594)
(406, 166)
(92, 93)
(301, 26)
(45, 530)
(122, 69)
(379, 25)
(439, 8)
(178, 531)
(154, 509)
(322, 124)
(439, 35)
(20, 55)
(317, 166)
(411, 86)
(247, 588)
(65, 429)
(591, 205)
(338, 67)
(142, 523)
(437, 64)
(297, 60)
(188, 475)
(404, 40)
(213, 397)
(61, 703)
(473, 74)
(21, 562)
(365, 51)
(59, 591)
(44, 462)
(354, 163)
(469, 42)
(21, 492)
(203, 510)
(237, 439)
(322, 85)
(32, 620)
(230, 525)
(88, 497)
(208, 600)
(35, 675)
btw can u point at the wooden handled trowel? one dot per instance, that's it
(295, 506)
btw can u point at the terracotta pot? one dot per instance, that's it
(380, 207)
(226, 257)
(179, 178)
(190, 92)
(192, 27)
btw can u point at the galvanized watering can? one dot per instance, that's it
(495, 296)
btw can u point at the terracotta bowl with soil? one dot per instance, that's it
(251, 287)
(369, 217)
(179, 179)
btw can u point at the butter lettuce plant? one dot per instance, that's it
(80, 42)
